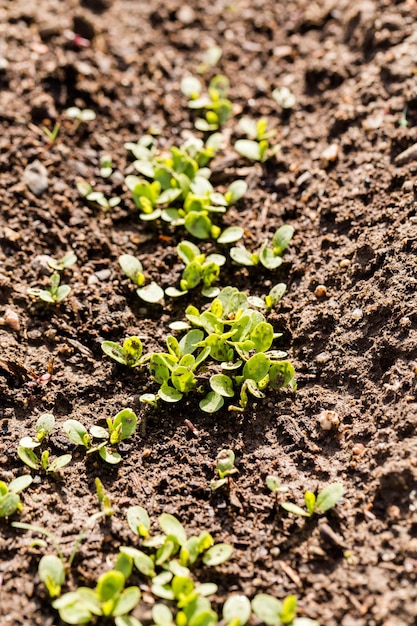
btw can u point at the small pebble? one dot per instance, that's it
(344, 263)
(329, 154)
(329, 420)
(320, 291)
(11, 318)
(35, 178)
(358, 449)
(357, 314)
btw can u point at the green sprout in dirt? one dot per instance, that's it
(64, 263)
(199, 268)
(214, 105)
(80, 116)
(52, 135)
(323, 502)
(273, 612)
(175, 187)
(256, 147)
(97, 197)
(133, 269)
(130, 353)
(44, 426)
(225, 467)
(9, 494)
(269, 256)
(175, 370)
(54, 294)
(122, 426)
(284, 97)
(106, 166)
(110, 598)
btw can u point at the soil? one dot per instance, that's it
(348, 318)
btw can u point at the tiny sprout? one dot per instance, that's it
(54, 294)
(236, 610)
(9, 494)
(52, 135)
(42, 463)
(132, 268)
(51, 571)
(64, 263)
(80, 115)
(103, 500)
(274, 485)
(97, 197)
(284, 97)
(106, 166)
(225, 466)
(323, 502)
(129, 353)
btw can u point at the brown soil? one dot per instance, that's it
(348, 318)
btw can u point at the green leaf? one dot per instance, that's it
(190, 87)
(59, 462)
(124, 564)
(281, 374)
(171, 526)
(230, 235)
(217, 554)
(262, 336)
(143, 563)
(187, 251)
(267, 609)
(237, 610)
(289, 609)
(127, 601)
(198, 224)
(28, 457)
(293, 508)
(242, 256)
(71, 609)
(126, 620)
(310, 500)
(45, 424)
(329, 497)
(207, 589)
(282, 238)
(132, 348)
(172, 292)
(256, 368)
(269, 259)
(128, 421)
(222, 384)
(249, 149)
(211, 403)
(114, 351)
(20, 483)
(235, 191)
(109, 585)
(99, 432)
(51, 571)
(76, 432)
(277, 292)
(62, 293)
(110, 456)
(152, 293)
(188, 343)
(132, 268)
(169, 394)
(9, 504)
(138, 520)
(162, 615)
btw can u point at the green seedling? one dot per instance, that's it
(225, 466)
(284, 97)
(64, 263)
(175, 187)
(273, 612)
(210, 58)
(273, 483)
(199, 268)
(214, 105)
(43, 427)
(269, 257)
(43, 462)
(9, 494)
(52, 135)
(51, 571)
(54, 294)
(130, 353)
(106, 508)
(110, 598)
(323, 502)
(133, 269)
(236, 610)
(256, 147)
(80, 116)
(97, 197)
(122, 426)
(175, 370)
(106, 166)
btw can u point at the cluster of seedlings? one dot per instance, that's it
(231, 339)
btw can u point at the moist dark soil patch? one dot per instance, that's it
(348, 317)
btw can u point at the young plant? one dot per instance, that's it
(133, 269)
(42, 462)
(269, 257)
(284, 97)
(52, 135)
(54, 294)
(236, 610)
(51, 571)
(225, 466)
(122, 426)
(256, 147)
(174, 370)
(97, 197)
(273, 612)
(214, 105)
(110, 598)
(323, 502)
(130, 353)
(64, 263)
(9, 494)
(80, 116)
(199, 268)
(43, 428)
(106, 166)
